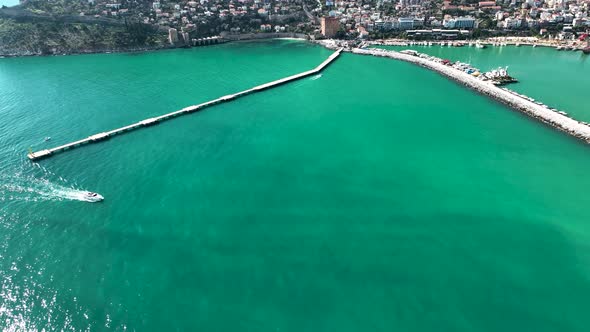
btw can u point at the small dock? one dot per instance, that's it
(190, 109)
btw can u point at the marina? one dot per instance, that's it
(582, 44)
(190, 109)
(496, 76)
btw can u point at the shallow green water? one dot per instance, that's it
(559, 78)
(379, 196)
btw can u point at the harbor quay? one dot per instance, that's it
(582, 44)
(552, 117)
(190, 109)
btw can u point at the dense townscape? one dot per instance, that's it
(205, 16)
(166, 23)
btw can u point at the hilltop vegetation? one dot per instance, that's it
(44, 38)
(26, 31)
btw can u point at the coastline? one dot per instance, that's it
(97, 51)
(224, 38)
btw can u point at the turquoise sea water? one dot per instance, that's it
(377, 196)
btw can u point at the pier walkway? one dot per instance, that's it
(151, 121)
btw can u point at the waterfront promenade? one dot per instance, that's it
(574, 45)
(190, 109)
(552, 117)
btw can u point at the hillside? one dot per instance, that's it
(23, 32)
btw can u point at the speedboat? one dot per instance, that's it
(47, 138)
(92, 197)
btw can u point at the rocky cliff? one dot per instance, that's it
(24, 33)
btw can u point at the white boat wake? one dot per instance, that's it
(31, 189)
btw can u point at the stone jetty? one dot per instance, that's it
(521, 103)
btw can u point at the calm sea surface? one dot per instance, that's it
(378, 196)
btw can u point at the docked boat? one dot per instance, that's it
(92, 197)
(479, 45)
(499, 76)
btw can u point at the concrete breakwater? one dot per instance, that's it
(554, 118)
(190, 109)
(494, 41)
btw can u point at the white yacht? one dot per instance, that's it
(479, 45)
(92, 197)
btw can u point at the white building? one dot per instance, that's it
(460, 23)
(406, 23)
(172, 36)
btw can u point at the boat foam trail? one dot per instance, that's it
(32, 189)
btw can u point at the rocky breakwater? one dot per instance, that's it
(551, 117)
